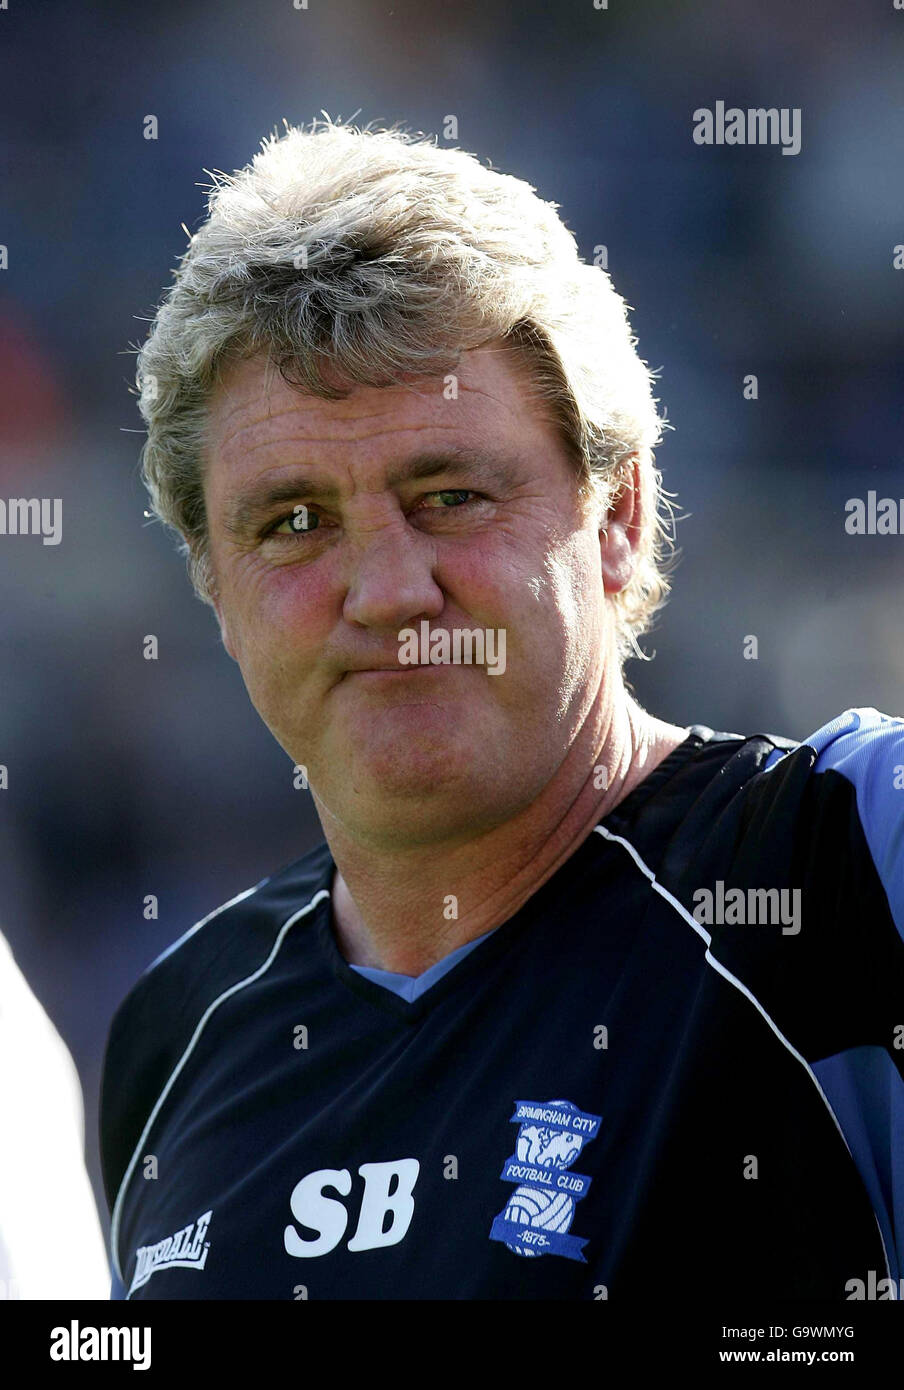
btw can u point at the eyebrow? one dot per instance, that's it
(249, 507)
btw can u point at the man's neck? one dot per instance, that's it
(405, 911)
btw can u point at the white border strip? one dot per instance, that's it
(180, 941)
(733, 980)
(233, 989)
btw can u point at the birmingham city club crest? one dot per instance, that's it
(537, 1216)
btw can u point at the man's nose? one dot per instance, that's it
(390, 576)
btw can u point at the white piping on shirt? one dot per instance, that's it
(733, 980)
(180, 941)
(233, 989)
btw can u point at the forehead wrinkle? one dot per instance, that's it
(255, 394)
(387, 398)
(270, 440)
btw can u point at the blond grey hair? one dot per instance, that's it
(358, 255)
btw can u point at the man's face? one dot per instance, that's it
(493, 537)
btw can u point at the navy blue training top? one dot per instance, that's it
(685, 1052)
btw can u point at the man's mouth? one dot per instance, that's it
(388, 671)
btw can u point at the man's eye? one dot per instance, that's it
(458, 492)
(299, 522)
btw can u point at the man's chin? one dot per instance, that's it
(414, 742)
(411, 794)
(395, 823)
(418, 772)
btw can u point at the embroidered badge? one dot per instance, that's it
(538, 1215)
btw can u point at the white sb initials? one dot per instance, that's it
(330, 1218)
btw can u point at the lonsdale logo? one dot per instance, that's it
(186, 1248)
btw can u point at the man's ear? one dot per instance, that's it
(620, 529)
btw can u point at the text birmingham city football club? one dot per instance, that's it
(536, 1217)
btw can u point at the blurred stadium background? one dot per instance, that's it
(129, 777)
